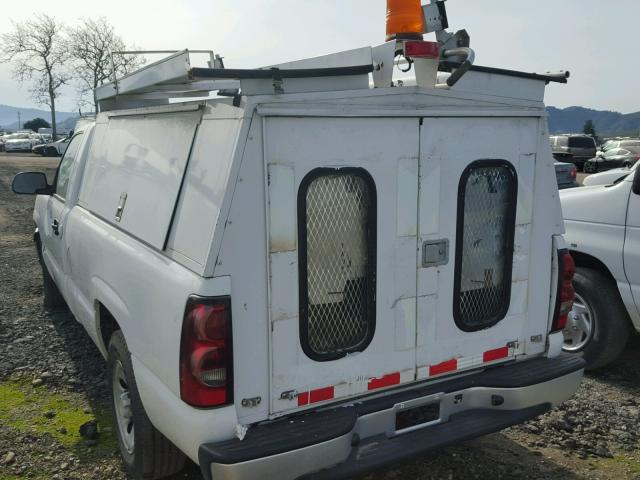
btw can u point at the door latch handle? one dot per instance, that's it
(435, 253)
(121, 204)
(55, 226)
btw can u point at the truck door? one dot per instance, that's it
(54, 251)
(475, 218)
(342, 196)
(632, 245)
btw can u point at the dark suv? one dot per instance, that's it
(576, 149)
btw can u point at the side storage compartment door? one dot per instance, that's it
(342, 212)
(475, 278)
(135, 170)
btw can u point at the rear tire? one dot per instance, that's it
(608, 316)
(53, 299)
(145, 452)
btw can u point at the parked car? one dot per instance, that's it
(39, 139)
(248, 266)
(19, 142)
(603, 233)
(613, 158)
(52, 149)
(620, 143)
(566, 174)
(609, 177)
(578, 148)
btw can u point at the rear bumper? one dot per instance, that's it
(359, 437)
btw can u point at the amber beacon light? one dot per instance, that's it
(405, 20)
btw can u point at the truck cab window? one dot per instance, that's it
(66, 166)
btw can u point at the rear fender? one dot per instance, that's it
(104, 294)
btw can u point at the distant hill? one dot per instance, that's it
(565, 120)
(572, 120)
(9, 116)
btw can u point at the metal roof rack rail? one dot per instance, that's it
(174, 77)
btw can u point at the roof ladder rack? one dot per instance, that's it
(174, 77)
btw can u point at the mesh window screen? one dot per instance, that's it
(337, 250)
(484, 248)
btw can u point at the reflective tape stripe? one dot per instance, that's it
(321, 394)
(303, 399)
(391, 379)
(444, 367)
(315, 396)
(497, 354)
(386, 381)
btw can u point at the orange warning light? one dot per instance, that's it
(405, 20)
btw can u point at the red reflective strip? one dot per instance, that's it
(321, 394)
(444, 367)
(386, 381)
(496, 354)
(303, 399)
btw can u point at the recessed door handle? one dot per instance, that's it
(55, 226)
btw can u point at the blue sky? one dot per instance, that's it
(595, 40)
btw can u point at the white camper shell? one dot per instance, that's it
(385, 264)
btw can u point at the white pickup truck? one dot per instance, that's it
(308, 276)
(603, 232)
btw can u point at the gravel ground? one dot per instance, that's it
(52, 383)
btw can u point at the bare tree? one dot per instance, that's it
(91, 46)
(36, 49)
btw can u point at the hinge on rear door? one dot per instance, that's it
(277, 81)
(289, 395)
(251, 402)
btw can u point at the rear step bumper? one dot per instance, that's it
(344, 441)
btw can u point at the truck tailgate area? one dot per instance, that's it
(362, 433)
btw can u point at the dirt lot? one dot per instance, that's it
(52, 382)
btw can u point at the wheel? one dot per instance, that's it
(627, 165)
(598, 324)
(53, 299)
(146, 453)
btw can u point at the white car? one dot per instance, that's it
(52, 149)
(283, 286)
(19, 142)
(610, 176)
(603, 232)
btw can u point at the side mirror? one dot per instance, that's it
(635, 187)
(31, 183)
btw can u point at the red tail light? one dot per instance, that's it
(573, 173)
(566, 293)
(206, 355)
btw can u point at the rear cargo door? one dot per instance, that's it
(342, 209)
(475, 219)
